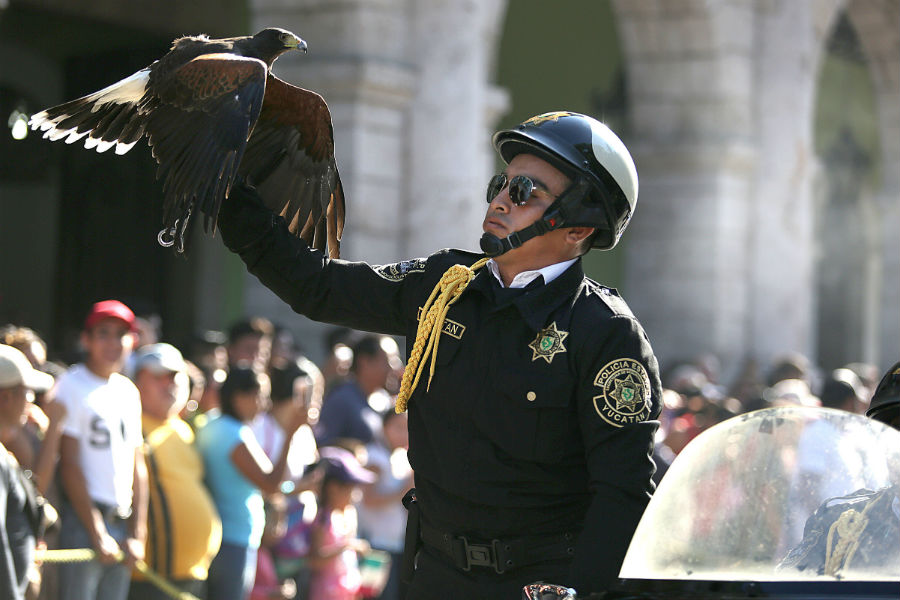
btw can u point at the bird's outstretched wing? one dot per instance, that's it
(290, 160)
(201, 117)
(197, 116)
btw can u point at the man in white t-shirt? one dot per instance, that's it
(102, 469)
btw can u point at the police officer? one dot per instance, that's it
(860, 530)
(532, 390)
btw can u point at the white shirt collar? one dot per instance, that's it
(549, 273)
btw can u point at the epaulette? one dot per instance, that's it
(609, 296)
(453, 256)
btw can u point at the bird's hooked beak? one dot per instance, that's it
(297, 44)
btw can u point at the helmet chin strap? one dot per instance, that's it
(553, 218)
(492, 246)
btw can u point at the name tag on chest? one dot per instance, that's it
(451, 327)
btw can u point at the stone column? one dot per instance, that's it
(888, 203)
(687, 269)
(781, 301)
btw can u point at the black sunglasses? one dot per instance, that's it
(520, 188)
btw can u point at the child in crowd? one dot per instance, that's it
(333, 542)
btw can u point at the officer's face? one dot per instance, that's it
(504, 217)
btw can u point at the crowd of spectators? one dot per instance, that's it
(241, 469)
(218, 467)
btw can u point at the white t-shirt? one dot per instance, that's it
(385, 526)
(271, 438)
(104, 415)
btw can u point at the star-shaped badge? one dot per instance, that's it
(627, 393)
(548, 343)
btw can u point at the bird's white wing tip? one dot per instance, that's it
(123, 148)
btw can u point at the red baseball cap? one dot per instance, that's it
(109, 309)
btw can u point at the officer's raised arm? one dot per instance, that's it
(336, 291)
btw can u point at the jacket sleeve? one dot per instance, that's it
(618, 402)
(352, 294)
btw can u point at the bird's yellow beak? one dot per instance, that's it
(297, 44)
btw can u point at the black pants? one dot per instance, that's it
(436, 579)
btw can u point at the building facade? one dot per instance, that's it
(765, 134)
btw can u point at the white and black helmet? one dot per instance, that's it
(582, 148)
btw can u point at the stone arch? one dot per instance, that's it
(690, 72)
(872, 273)
(877, 23)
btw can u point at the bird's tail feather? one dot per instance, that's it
(103, 116)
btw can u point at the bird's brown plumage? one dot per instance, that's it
(213, 112)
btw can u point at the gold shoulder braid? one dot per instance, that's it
(431, 321)
(848, 529)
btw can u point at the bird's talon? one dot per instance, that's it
(166, 236)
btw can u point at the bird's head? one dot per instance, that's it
(272, 42)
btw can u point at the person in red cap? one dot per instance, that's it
(102, 469)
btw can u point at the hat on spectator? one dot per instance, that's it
(158, 358)
(791, 392)
(16, 370)
(342, 465)
(109, 309)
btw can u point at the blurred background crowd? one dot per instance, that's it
(265, 472)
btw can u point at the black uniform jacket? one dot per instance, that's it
(541, 413)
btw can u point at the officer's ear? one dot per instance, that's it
(576, 234)
(580, 237)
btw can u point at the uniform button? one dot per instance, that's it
(531, 396)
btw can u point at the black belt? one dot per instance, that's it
(112, 513)
(501, 555)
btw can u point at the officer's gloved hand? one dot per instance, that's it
(242, 191)
(243, 217)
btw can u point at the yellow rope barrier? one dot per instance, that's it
(431, 321)
(74, 555)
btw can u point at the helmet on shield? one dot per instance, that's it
(885, 404)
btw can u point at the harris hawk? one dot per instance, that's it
(213, 112)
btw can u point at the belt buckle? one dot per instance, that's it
(480, 555)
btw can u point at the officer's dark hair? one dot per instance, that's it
(282, 381)
(369, 346)
(239, 379)
(259, 326)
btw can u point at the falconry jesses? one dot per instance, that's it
(212, 112)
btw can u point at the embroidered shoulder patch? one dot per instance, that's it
(399, 271)
(625, 392)
(548, 343)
